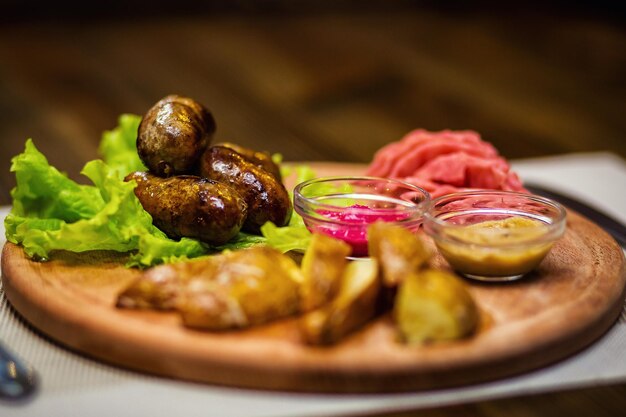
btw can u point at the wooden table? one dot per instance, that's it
(326, 84)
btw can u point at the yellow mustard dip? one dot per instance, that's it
(473, 254)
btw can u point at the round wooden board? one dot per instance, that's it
(572, 299)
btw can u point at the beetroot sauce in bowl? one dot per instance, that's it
(344, 207)
(353, 229)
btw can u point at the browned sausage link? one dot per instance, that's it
(261, 159)
(266, 197)
(189, 206)
(173, 134)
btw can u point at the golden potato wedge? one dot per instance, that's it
(397, 249)
(353, 306)
(434, 305)
(322, 266)
(159, 287)
(249, 287)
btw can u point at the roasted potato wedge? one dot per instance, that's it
(161, 286)
(249, 287)
(322, 266)
(434, 305)
(353, 306)
(232, 290)
(397, 249)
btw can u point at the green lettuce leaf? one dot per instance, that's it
(78, 218)
(157, 248)
(288, 238)
(295, 236)
(47, 193)
(242, 241)
(118, 147)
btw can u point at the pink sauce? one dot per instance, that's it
(358, 218)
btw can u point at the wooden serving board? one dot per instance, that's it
(570, 301)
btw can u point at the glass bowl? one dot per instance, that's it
(494, 235)
(343, 207)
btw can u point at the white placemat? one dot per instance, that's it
(73, 385)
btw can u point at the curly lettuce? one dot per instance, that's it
(118, 146)
(51, 212)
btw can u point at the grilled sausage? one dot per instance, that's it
(189, 206)
(265, 195)
(173, 134)
(262, 159)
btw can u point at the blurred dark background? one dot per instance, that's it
(316, 80)
(17, 9)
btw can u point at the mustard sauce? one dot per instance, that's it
(496, 248)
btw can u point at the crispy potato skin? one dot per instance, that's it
(232, 290)
(322, 267)
(398, 250)
(249, 287)
(173, 134)
(189, 206)
(265, 195)
(161, 287)
(434, 305)
(352, 307)
(261, 159)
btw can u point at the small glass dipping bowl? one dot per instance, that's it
(494, 235)
(343, 207)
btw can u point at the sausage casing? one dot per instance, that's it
(261, 159)
(189, 206)
(173, 134)
(265, 195)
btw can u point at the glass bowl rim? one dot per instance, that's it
(433, 225)
(303, 204)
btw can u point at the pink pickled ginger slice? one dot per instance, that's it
(445, 162)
